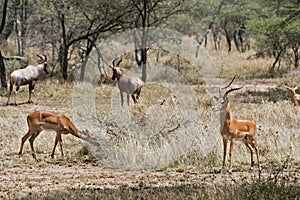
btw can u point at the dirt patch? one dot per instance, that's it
(24, 178)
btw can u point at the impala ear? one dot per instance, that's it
(216, 98)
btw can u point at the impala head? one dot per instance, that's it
(222, 101)
(44, 62)
(89, 137)
(117, 73)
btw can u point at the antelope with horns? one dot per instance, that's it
(46, 120)
(295, 96)
(233, 129)
(131, 85)
(27, 76)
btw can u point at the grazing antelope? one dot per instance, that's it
(46, 120)
(131, 85)
(27, 76)
(233, 129)
(295, 96)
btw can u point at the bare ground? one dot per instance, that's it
(26, 177)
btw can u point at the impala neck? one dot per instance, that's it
(225, 115)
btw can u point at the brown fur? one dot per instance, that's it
(233, 129)
(46, 120)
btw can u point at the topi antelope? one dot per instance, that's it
(131, 85)
(233, 129)
(46, 120)
(295, 96)
(27, 76)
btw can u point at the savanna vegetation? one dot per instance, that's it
(168, 146)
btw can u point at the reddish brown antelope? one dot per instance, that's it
(26, 76)
(131, 85)
(233, 129)
(46, 120)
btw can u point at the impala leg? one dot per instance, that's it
(55, 143)
(230, 154)
(246, 142)
(31, 140)
(224, 152)
(24, 138)
(57, 139)
(60, 144)
(254, 145)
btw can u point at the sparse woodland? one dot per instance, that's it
(169, 144)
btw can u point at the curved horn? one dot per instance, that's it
(229, 83)
(233, 89)
(119, 62)
(113, 62)
(42, 59)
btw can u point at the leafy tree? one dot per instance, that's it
(74, 24)
(276, 27)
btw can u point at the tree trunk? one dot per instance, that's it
(23, 17)
(2, 72)
(144, 64)
(89, 49)
(63, 61)
(296, 56)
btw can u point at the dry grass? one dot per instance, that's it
(166, 131)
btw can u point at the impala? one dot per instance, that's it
(295, 96)
(233, 129)
(26, 76)
(131, 85)
(47, 120)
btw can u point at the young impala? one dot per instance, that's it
(233, 129)
(26, 76)
(47, 120)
